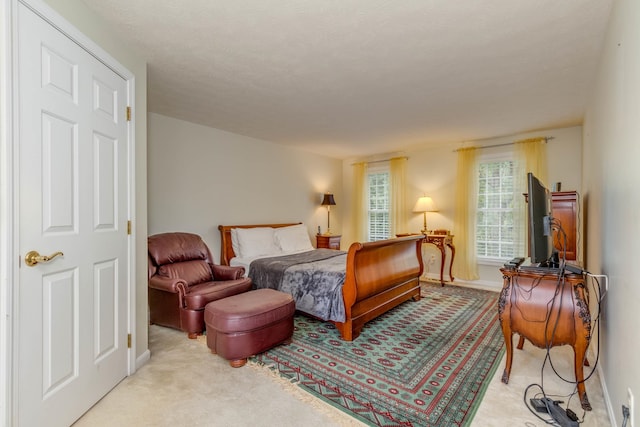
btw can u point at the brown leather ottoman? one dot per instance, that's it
(249, 323)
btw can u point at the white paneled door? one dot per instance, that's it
(73, 205)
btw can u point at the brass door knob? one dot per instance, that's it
(33, 257)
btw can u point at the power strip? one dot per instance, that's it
(539, 405)
(559, 414)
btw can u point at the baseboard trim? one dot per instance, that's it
(142, 359)
(605, 393)
(480, 284)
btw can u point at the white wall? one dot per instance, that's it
(610, 183)
(432, 171)
(201, 177)
(102, 34)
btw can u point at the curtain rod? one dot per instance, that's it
(382, 160)
(546, 139)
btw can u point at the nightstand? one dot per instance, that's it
(328, 241)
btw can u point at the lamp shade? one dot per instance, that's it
(328, 200)
(425, 204)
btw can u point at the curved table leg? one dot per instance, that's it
(579, 360)
(443, 253)
(453, 255)
(508, 343)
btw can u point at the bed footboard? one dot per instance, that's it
(380, 275)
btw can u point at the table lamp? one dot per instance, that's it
(423, 205)
(328, 201)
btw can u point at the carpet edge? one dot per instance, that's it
(317, 402)
(484, 387)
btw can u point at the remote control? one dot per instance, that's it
(514, 263)
(517, 260)
(573, 269)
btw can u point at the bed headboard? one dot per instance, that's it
(226, 249)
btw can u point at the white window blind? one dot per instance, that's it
(378, 203)
(495, 231)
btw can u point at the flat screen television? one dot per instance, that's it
(540, 217)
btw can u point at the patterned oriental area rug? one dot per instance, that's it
(425, 363)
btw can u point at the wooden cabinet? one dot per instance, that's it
(565, 211)
(328, 241)
(547, 310)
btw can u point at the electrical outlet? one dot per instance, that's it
(630, 403)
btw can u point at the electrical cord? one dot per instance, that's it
(549, 421)
(594, 323)
(520, 293)
(625, 415)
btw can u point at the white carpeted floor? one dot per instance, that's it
(185, 385)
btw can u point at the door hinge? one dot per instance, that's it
(128, 340)
(128, 114)
(129, 227)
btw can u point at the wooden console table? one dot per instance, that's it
(441, 239)
(529, 298)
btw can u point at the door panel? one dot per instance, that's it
(59, 174)
(106, 308)
(73, 148)
(58, 74)
(60, 326)
(106, 182)
(105, 100)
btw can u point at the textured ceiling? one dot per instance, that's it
(351, 78)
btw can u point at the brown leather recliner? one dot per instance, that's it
(183, 279)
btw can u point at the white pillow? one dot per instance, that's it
(293, 238)
(234, 242)
(254, 242)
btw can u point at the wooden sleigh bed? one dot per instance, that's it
(379, 276)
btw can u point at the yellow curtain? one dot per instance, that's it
(360, 201)
(398, 205)
(530, 155)
(533, 154)
(465, 266)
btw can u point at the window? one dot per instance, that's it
(495, 231)
(378, 203)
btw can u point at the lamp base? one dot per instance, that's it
(424, 229)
